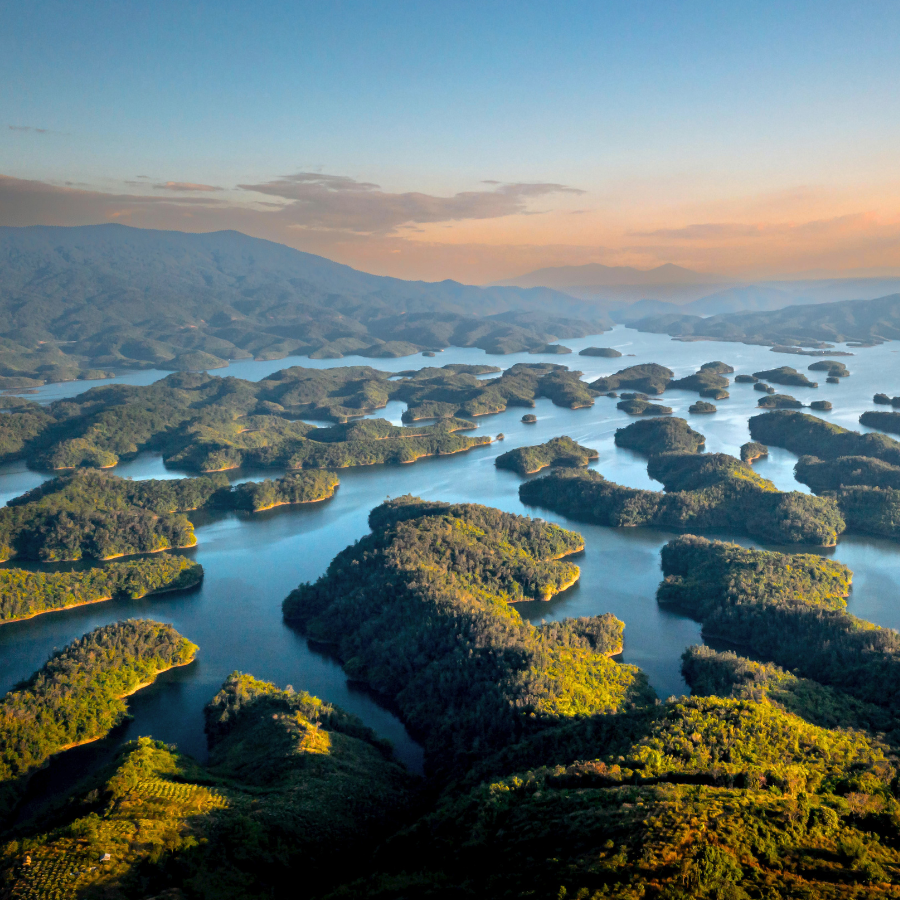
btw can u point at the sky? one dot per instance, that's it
(475, 141)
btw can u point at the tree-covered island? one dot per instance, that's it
(558, 451)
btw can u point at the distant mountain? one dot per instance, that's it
(108, 295)
(864, 321)
(594, 275)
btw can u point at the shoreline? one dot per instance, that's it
(34, 615)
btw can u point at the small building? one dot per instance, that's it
(105, 858)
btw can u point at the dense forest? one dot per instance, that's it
(785, 375)
(24, 594)
(660, 436)
(808, 435)
(712, 492)
(78, 695)
(708, 381)
(884, 421)
(206, 423)
(420, 611)
(787, 609)
(94, 514)
(558, 451)
(649, 378)
(293, 785)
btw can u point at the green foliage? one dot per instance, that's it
(93, 514)
(870, 510)
(717, 367)
(702, 407)
(559, 451)
(78, 696)
(608, 352)
(808, 435)
(718, 496)
(884, 421)
(832, 367)
(846, 471)
(785, 375)
(298, 487)
(779, 401)
(420, 611)
(294, 786)
(660, 436)
(650, 378)
(708, 381)
(24, 594)
(753, 450)
(785, 608)
(821, 405)
(640, 407)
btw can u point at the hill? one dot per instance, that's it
(100, 296)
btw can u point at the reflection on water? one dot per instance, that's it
(253, 561)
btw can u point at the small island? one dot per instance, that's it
(607, 352)
(832, 367)
(560, 451)
(79, 695)
(641, 407)
(702, 407)
(779, 401)
(884, 400)
(558, 349)
(648, 378)
(708, 381)
(821, 405)
(752, 451)
(786, 375)
(529, 419)
(745, 379)
(763, 388)
(660, 436)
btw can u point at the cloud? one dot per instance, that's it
(30, 128)
(703, 232)
(184, 186)
(340, 203)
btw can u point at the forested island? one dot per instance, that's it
(638, 406)
(98, 515)
(206, 423)
(660, 436)
(883, 421)
(420, 611)
(779, 401)
(78, 696)
(708, 381)
(558, 451)
(290, 779)
(607, 352)
(709, 492)
(702, 407)
(24, 594)
(785, 375)
(649, 378)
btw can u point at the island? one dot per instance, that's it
(708, 381)
(649, 378)
(420, 611)
(550, 348)
(607, 352)
(79, 695)
(763, 388)
(641, 407)
(787, 609)
(786, 375)
(529, 419)
(703, 492)
(885, 400)
(101, 516)
(821, 405)
(25, 594)
(883, 421)
(559, 451)
(752, 451)
(745, 379)
(779, 401)
(701, 407)
(660, 436)
(808, 435)
(204, 423)
(832, 367)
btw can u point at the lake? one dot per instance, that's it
(253, 561)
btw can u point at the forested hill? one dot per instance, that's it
(137, 297)
(865, 321)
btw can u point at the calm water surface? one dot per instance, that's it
(252, 562)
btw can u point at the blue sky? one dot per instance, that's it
(761, 116)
